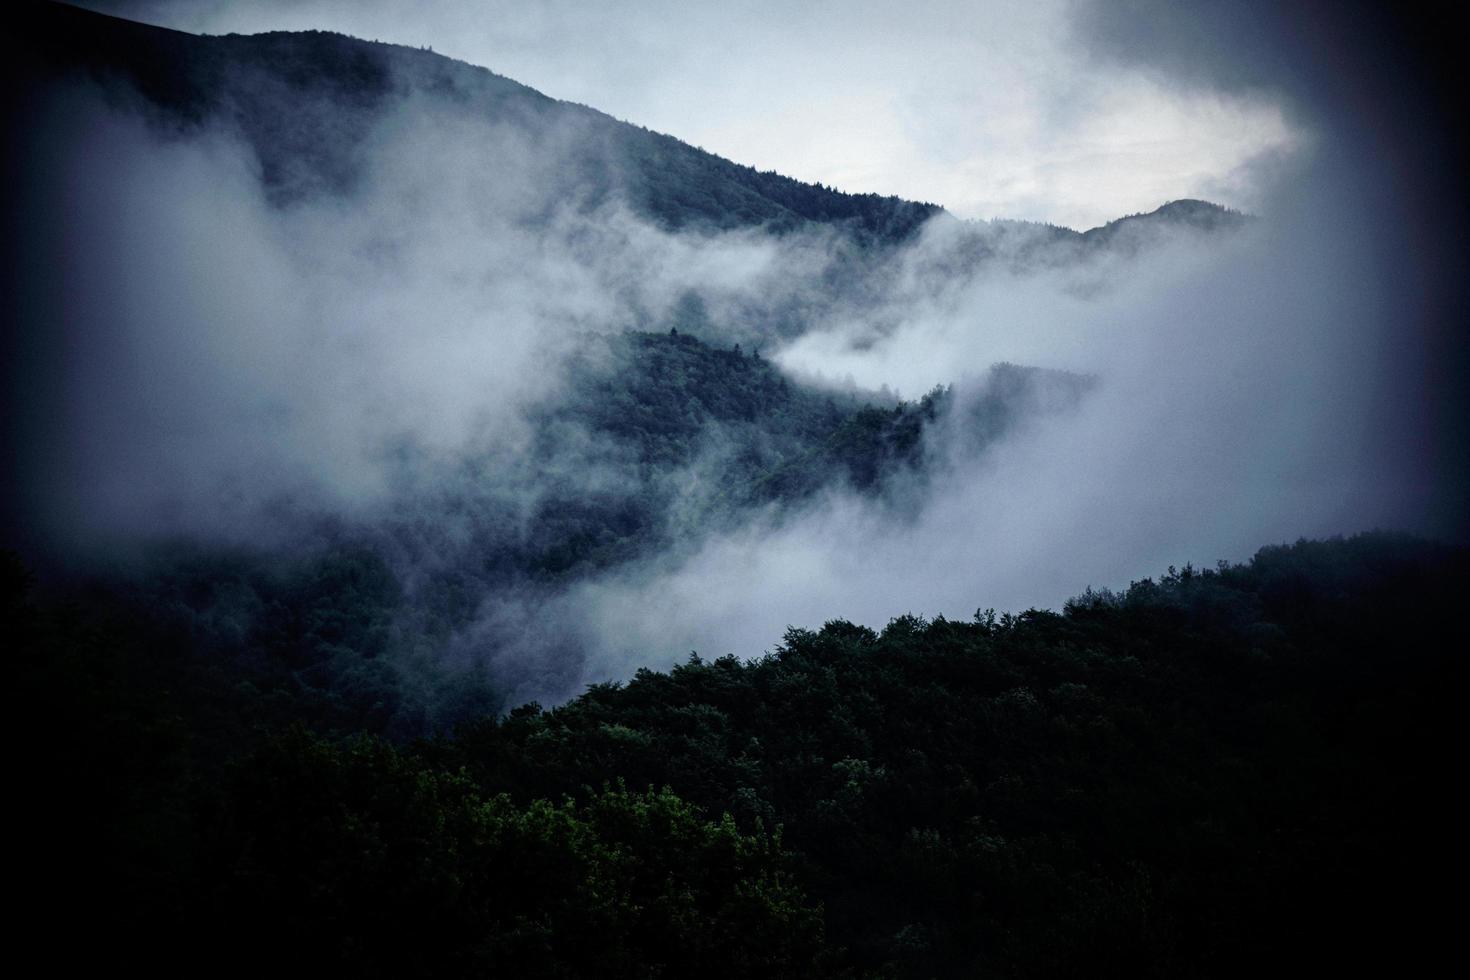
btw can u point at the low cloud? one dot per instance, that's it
(213, 361)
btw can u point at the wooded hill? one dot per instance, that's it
(1221, 770)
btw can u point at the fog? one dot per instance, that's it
(217, 357)
(207, 362)
(1240, 403)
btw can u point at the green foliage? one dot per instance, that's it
(359, 858)
(1211, 770)
(1190, 777)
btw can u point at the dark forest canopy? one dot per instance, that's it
(1190, 777)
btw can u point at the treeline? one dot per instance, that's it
(1239, 769)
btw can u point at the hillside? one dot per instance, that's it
(661, 442)
(1133, 231)
(453, 531)
(307, 102)
(1194, 775)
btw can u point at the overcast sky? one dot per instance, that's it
(992, 108)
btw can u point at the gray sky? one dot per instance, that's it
(993, 108)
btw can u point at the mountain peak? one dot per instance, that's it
(1184, 213)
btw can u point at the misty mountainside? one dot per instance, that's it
(1135, 230)
(312, 105)
(1187, 777)
(462, 591)
(447, 531)
(308, 104)
(385, 375)
(386, 384)
(667, 402)
(1025, 245)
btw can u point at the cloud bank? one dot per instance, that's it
(207, 362)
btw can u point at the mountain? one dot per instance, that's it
(661, 442)
(1185, 215)
(375, 428)
(370, 597)
(306, 103)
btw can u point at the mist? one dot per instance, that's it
(218, 358)
(447, 528)
(1239, 403)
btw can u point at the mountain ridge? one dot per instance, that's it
(189, 78)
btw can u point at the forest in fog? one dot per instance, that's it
(451, 530)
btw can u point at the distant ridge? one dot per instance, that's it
(305, 102)
(1184, 213)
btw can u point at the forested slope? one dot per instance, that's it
(292, 569)
(652, 443)
(1196, 776)
(307, 104)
